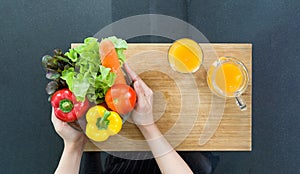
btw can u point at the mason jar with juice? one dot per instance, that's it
(228, 77)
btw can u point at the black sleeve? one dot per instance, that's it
(131, 163)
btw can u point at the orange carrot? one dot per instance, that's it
(109, 59)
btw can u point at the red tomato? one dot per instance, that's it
(120, 98)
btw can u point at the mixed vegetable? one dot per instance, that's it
(90, 74)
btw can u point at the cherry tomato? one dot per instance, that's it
(120, 98)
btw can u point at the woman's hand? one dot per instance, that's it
(70, 136)
(142, 113)
(74, 142)
(166, 157)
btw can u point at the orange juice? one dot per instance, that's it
(185, 56)
(227, 77)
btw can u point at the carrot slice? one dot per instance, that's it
(109, 59)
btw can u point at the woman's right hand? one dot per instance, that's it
(166, 157)
(142, 113)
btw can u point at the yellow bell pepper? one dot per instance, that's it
(102, 123)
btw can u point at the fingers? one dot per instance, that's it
(56, 122)
(131, 73)
(53, 117)
(140, 94)
(136, 78)
(144, 100)
(144, 93)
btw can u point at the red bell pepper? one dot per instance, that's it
(66, 107)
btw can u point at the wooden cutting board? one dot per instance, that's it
(186, 112)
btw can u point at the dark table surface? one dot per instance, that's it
(30, 29)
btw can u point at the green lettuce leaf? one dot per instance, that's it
(68, 76)
(80, 86)
(118, 43)
(89, 78)
(72, 54)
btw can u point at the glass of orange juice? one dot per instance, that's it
(185, 56)
(228, 77)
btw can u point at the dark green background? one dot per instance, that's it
(29, 29)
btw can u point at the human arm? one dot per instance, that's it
(74, 142)
(166, 157)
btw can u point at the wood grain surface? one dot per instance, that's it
(187, 113)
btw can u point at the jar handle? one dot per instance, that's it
(240, 102)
